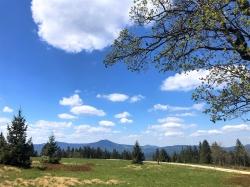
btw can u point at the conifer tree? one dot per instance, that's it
(205, 153)
(164, 157)
(3, 149)
(137, 154)
(52, 151)
(157, 156)
(19, 148)
(218, 154)
(241, 156)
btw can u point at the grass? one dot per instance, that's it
(84, 172)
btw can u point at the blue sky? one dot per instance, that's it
(51, 65)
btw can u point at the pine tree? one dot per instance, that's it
(218, 154)
(241, 156)
(137, 154)
(157, 156)
(52, 151)
(174, 157)
(164, 157)
(205, 153)
(19, 148)
(3, 149)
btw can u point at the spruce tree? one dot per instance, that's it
(19, 148)
(205, 153)
(52, 151)
(3, 149)
(164, 157)
(241, 156)
(157, 156)
(137, 154)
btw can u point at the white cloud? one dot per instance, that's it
(7, 109)
(206, 132)
(126, 120)
(3, 124)
(136, 98)
(73, 100)
(123, 115)
(170, 119)
(185, 114)
(90, 129)
(114, 97)
(174, 133)
(184, 81)
(80, 25)
(234, 128)
(87, 110)
(52, 124)
(105, 123)
(66, 116)
(162, 107)
(4, 121)
(224, 130)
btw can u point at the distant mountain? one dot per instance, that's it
(106, 144)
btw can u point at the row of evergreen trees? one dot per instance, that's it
(52, 153)
(97, 153)
(206, 154)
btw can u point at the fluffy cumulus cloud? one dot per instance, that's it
(80, 25)
(119, 97)
(114, 97)
(106, 123)
(66, 116)
(77, 108)
(41, 129)
(234, 128)
(52, 124)
(124, 117)
(169, 126)
(206, 132)
(184, 81)
(7, 109)
(224, 130)
(73, 100)
(136, 98)
(87, 110)
(162, 107)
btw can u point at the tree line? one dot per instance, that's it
(16, 149)
(206, 154)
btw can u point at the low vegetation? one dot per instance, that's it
(100, 172)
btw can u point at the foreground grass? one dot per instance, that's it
(119, 173)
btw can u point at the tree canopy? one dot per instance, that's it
(185, 35)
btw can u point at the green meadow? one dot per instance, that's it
(93, 172)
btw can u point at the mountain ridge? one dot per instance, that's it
(109, 145)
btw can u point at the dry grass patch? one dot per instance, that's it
(242, 180)
(49, 181)
(133, 167)
(9, 168)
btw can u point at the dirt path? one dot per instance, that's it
(205, 167)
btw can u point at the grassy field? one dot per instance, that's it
(83, 172)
